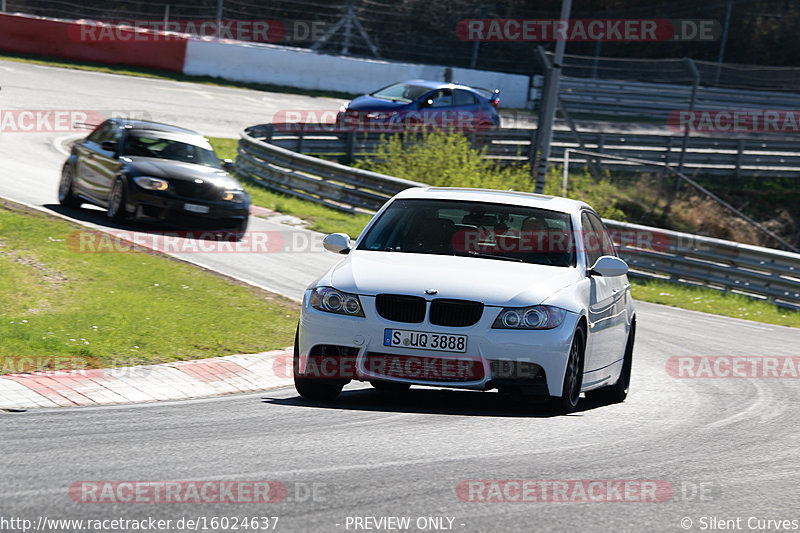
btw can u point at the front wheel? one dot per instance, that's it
(66, 194)
(116, 202)
(573, 376)
(313, 388)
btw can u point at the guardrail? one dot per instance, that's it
(609, 97)
(687, 259)
(681, 258)
(743, 156)
(325, 182)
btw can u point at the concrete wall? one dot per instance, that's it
(279, 65)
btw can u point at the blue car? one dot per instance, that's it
(430, 104)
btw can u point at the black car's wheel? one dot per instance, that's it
(617, 392)
(313, 388)
(390, 386)
(573, 376)
(239, 231)
(66, 195)
(116, 202)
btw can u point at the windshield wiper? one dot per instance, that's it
(473, 253)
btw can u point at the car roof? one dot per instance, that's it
(521, 198)
(148, 125)
(438, 84)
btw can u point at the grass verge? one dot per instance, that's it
(166, 75)
(712, 301)
(117, 309)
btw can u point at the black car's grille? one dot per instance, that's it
(401, 308)
(198, 191)
(455, 313)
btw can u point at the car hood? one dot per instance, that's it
(367, 102)
(491, 281)
(176, 170)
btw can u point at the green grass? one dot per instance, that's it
(319, 217)
(712, 301)
(116, 309)
(165, 75)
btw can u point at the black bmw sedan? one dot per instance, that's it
(150, 171)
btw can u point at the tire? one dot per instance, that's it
(313, 388)
(390, 386)
(239, 231)
(617, 392)
(573, 376)
(116, 202)
(66, 194)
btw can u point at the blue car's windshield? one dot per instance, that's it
(401, 92)
(474, 229)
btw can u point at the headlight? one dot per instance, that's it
(233, 196)
(151, 184)
(333, 301)
(536, 317)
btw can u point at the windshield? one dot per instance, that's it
(401, 92)
(474, 229)
(175, 150)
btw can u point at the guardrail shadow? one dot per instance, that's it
(434, 402)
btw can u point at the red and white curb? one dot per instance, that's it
(148, 383)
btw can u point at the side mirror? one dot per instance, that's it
(228, 165)
(610, 266)
(109, 146)
(338, 243)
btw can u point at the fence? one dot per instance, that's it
(657, 100)
(686, 259)
(744, 156)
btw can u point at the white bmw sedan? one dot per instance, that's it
(472, 289)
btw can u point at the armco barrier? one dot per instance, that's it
(723, 155)
(680, 257)
(338, 186)
(59, 38)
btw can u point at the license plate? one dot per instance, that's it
(441, 342)
(194, 208)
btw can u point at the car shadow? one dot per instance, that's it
(97, 215)
(435, 402)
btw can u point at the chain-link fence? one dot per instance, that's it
(425, 31)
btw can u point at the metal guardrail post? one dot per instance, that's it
(692, 101)
(739, 155)
(350, 142)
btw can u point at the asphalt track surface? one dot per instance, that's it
(728, 448)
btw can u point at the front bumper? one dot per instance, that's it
(494, 358)
(171, 209)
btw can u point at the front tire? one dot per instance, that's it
(619, 391)
(66, 193)
(313, 388)
(573, 376)
(116, 202)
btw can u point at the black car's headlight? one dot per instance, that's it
(151, 184)
(536, 317)
(234, 196)
(333, 301)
